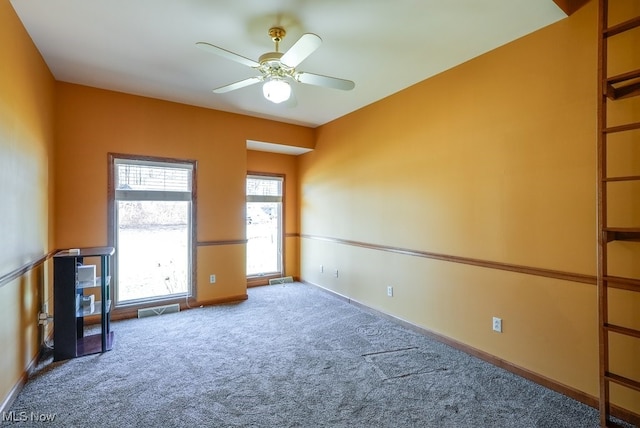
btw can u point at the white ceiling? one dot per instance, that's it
(147, 47)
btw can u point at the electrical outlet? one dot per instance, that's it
(43, 318)
(336, 273)
(390, 291)
(212, 279)
(321, 269)
(497, 324)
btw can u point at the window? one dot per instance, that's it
(264, 225)
(152, 228)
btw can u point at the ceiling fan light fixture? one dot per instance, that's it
(276, 90)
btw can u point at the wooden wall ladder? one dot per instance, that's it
(612, 89)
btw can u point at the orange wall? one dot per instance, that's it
(26, 194)
(493, 160)
(93, 122)
(286, 165)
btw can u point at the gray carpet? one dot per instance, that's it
(290, 356)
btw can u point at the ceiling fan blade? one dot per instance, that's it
(237, 85)
(227, 54)
(301, 49)
(326, 81)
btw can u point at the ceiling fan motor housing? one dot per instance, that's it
(271, 66)
(271, 58)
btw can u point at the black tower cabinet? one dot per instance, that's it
(70, 311)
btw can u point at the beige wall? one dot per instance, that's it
(494, 160)
(287, 165)
(93, 122)
(26, 192)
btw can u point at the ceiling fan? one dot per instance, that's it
(277, 69)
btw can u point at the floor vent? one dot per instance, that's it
(285, 280)
(158, 310)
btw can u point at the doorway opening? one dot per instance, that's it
(152, 229)
(264, 225)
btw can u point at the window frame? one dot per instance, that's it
(253, 280)
(124, 309)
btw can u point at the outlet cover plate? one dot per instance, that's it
(497, 324)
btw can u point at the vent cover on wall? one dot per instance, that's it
(285, 280)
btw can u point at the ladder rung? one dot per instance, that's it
(625, 178)
(623, 330)
(624, 381)
(630, 284)
(622, 128)
(622, 234)
(635, 74)
(623, 91)
(622, 27)
(630, 86)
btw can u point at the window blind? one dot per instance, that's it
(264, 189)
(152, 181)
